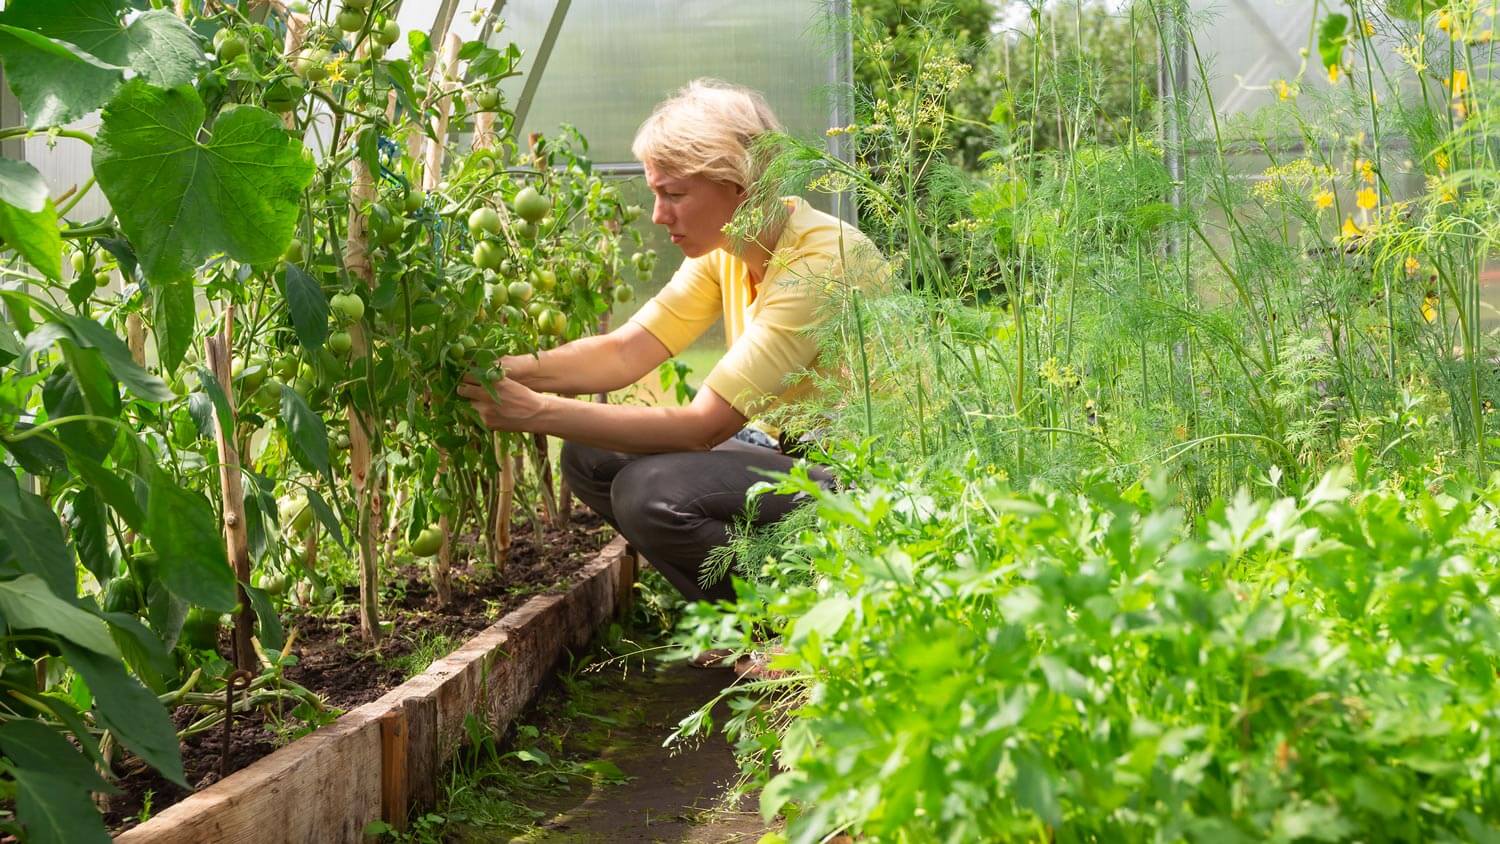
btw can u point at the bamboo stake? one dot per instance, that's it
(218, 353)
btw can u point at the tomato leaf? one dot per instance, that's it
(33, 746)
(156, 44)
(173, 317)
(86, 524)
(55, 810)
(31, 538)
(267, 621)
(143, 651)
(56, 82)
(83, 388)
(191, 560)
(28, 222)
(307, 436)
(309, 307)
(37, 455)
(91, 335)
(27, 603)
(326, 517)
(123, 705)
(180, 199)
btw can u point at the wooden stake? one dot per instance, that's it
(218, 353)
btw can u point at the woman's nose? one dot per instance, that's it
(659, 213)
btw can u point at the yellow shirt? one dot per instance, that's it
(767, 326)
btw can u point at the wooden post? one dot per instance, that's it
(543, 469)
(395, 786)
(218, 352)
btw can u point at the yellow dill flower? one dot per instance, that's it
(1445, 21)
(1430, 306)
(1460, 82)
(1412, 265)
(1369, 28)
(1485, 36)
(1334, 72)
(1283, 90)
(1350, 229)
(1440, 158)
(1448, 194)
(1366, 169)
(1366, 199)
(1323, 199)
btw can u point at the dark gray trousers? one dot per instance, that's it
(675, 508)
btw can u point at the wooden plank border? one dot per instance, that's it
(378, 760)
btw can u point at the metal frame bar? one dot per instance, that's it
(845, 206)
(539, 65)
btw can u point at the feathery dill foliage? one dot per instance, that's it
(1137, 330)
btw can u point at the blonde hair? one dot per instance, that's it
(708, 127)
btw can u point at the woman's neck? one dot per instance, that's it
(756, 254)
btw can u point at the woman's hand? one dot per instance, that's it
(521, 368)
(513, 407)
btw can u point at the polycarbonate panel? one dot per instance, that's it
(614, 60)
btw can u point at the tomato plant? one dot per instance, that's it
(252, 358)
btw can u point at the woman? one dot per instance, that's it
(673, 480)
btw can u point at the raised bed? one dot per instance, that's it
(377, 760)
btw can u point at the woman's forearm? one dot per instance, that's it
(599, 364)
(631, 428)
(586, 365)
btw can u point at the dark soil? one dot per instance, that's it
(335, 664)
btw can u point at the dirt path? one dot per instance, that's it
(673, 794)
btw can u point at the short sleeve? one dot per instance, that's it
(779, 343)
(686, 307)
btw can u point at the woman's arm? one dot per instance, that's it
(590, 364)
(705, 423)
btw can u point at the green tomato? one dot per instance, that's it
(283, 95)
(487, 255)
(228, 47)
(519, 292)
(79, 262)
(496, 296)
(428, 542)
(311, 65)
(483, 221)
(530, 205)
(413, 201)
(544, 280)
(351, 20)
(487, 99)
(294, 252)
(200, 630)
(456, 352)
(340, 343)
(361, 5)
(348, 306)
(122, 595)
(388, 33)
(624, 294)
(377, 51)
(631, 213)
(276, 584)
(551, 322)
(534, 309)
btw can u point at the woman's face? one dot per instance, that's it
(694, 209)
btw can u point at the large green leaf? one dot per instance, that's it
(28, 604)
(123, 705)
(142, 649)
(91, 335)
(157, 44)
(56, 83)
(55, 811)
(28, 222)
(306, 434)
(31, 538)
(173, 319)
(32, 745)
(309, 307)
(83, 388)
(181, 199)
(190, 554)
(88, 525)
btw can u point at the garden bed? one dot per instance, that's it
(562, 581)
